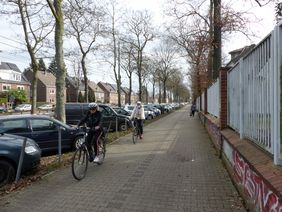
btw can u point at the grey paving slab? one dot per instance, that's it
(174, 168)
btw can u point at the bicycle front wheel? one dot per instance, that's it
(79, 163)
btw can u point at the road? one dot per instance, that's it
(174, 168)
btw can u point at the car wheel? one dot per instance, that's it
(123, 127)
(76, 142)
(7, 172)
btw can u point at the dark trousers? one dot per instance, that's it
(139, 123)
(92, 140)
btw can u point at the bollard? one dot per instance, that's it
(60, 143)
(19, 170)
(116, 126)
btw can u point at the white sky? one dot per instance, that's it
(11, 47)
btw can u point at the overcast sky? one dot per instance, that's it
(12, 49)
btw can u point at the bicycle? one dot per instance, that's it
(81, 155)
(135, 132)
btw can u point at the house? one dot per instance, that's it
(76, 86)
(99, 93)
(12, 78)
(122, 94)
(46, 86)
(111, 96)
(133, 96)
(239, 53)
(73, 87)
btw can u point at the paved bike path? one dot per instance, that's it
(174, 168)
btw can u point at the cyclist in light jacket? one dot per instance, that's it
(138, 115)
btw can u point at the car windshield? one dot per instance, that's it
(130, 107)
(61, 123)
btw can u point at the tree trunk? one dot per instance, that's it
(154, 91)
(160, 92)
(210, 50)
(34, 85)
(84, 70)
(61, 72)
(34, 63)
(140, 74)
(164, 89)
(217, 38)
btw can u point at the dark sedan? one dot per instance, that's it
(43, 129)
(10, 150)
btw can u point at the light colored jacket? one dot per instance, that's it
(138, 113)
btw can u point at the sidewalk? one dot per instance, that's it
(174, 168)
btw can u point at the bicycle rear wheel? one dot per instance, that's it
(101, 150)
(79, 163)
(135, 135)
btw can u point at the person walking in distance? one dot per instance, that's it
(193, 110)
(138, 115)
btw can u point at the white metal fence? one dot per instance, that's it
(203, 102)
(253, 94)
(213, 99)
(254, 90)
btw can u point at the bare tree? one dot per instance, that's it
(139, 29)
(128, 64)
(114, 45)
(85, 22)
(165, 59)
(56, 9)
(36, 29)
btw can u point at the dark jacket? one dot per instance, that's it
(92, 120)
(193, 108)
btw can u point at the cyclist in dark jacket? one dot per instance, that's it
(93, 120)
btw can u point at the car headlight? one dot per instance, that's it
(30, 148)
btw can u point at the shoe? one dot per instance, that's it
(96, 159)
(91, 158)
(141, 136)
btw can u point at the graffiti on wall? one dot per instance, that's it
(254, 187)
(214, 133)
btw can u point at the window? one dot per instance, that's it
(13, 126)
(52, 91)
(6, 87)
(20, 87)
(42, 125)
(106, 111)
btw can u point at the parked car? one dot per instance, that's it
(3, 109)
(43, 129)
(75, 111)
(129, 108)
(10, 150)
(46, 107)
(23, 107)
(122, 111)
(149, 114)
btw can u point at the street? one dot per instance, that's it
(174, 168)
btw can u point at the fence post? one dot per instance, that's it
(275, 116)
(241, 97)
(200, 101)
(223, 97)
(60, 143)
(205, 101)
(19, 170)
(116, 125)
